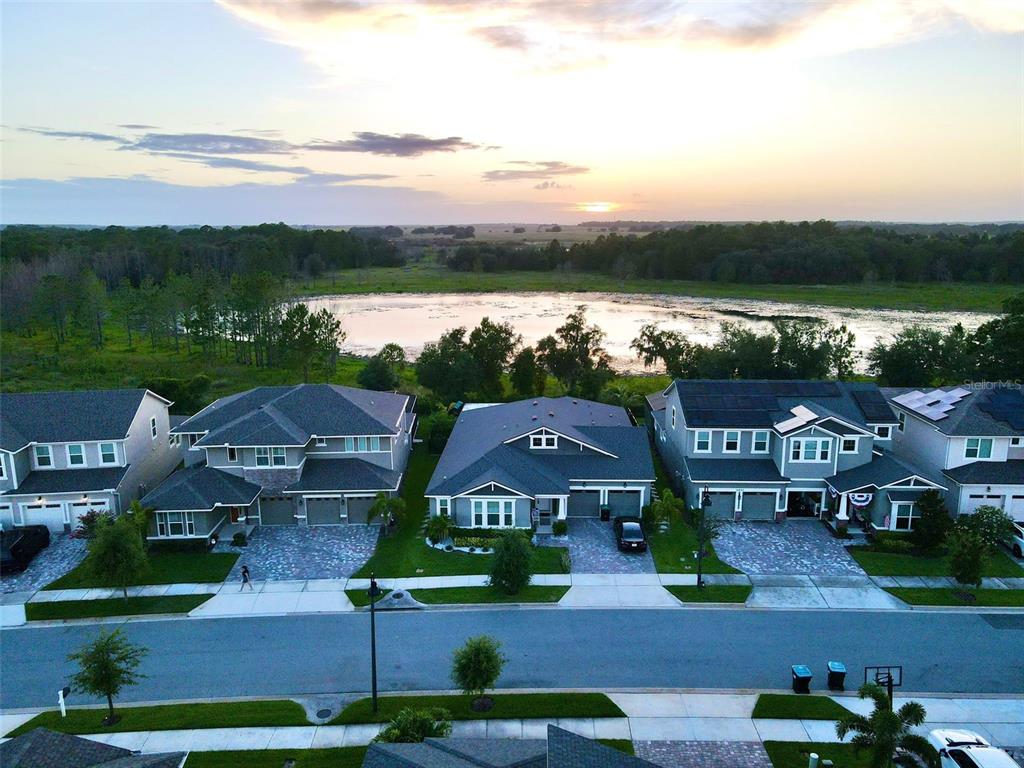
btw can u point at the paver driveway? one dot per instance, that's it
(703, 754)
(791, 547)
(593, 550)
(284, 553)
(63, 554)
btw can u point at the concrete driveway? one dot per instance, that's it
(294, 552)
(593, 549)
(793, 547)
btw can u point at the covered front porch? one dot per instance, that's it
(545, 510)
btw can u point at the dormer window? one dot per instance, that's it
(43, 457)
(76, 455)
(278, 457)
(732, 441)
(232, 455)
(262, 456)
(760, 442)
(543, 441)
(108, 454)
(883, 431)
(848, 445)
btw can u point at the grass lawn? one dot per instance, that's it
(887, 564)
(404, 553)
(790, 706)
(164, 568)
(453, 595)
(712, 593)
(169, 717)
(339, 757)
(360, 599)
(115, 606)
(1011, 598)
(793, 754)
(506, 706)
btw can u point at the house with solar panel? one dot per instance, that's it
(771, 450)
(309, 454)
(973, 436)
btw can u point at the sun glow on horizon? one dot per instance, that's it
(597, 206)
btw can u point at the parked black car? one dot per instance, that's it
(19, 545)
(629, 534)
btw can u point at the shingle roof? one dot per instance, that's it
(883, 469)
(47, 481)
(292, 415)
(748, 470)
(344, 475)
(973, 414)
(43, 748)
(201, 488)
(569, 750)
(58, 417)
(988, 473)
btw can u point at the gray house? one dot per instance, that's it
(767, 450)
(973, 436)
(536, 461)
(309, 454)
(63, 454)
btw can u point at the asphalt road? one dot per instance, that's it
(604, 649)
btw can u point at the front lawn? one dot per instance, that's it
(889, 564)
(404, 552)
(791, 706)
(793, 754)
(1007, 598)
(506, 706)
(456, 595)
(164, 568)
(114, 606)
(712, 593)
(673, 551)
(172, 717)
(339, 757)
(360, 599)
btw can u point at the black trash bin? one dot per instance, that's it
(606, 513)
(801, 678)
(836, 675)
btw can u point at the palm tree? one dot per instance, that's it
(885, 733)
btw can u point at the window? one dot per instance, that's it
(232, 454)
(173, 440)
(703, 442)
(350, 445)
(960, 758)
(673, 417)
(732, 442)
(978, 448)
(848, 445)
(153, 431)
(808, 450)
(76, 455)
(1016, 441)
(904, 514)
(192, 440)
(175, 524)
(108, 453)
(543, 441)
(262, 457)
(442, 506)
(375, 443)
(494, 513)
(321, 442)
(760, 442)
(279, 456)
(883, 432)
(3, 469)
(902, 418)
(43, 457)
(361, 442)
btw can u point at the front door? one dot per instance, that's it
(803, 503)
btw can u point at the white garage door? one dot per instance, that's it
(79, 508)
(978, 500)
(50, 515)
(1016, 510)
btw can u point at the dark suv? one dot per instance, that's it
(19, 545)
(629, 534)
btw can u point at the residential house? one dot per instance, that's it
(972, 435)
(768, 450)
(309, 454)
(43, 748)
(63, 454)
(529, 463)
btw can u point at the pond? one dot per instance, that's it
(411, 319)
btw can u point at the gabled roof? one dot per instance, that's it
(292, 415)
(43, 748)
(988, 410)
(66, 417)
(344, 475)
(884, 469)
(988, 473)
(42, 482)
(201, 488)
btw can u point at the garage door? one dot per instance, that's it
(624, 503)
(79, 508)
(977, 500)
(584, 504)
(6, 516)
(50, 515)
(722, 504)
(277, 510)
(758, 506)
(323, 511)
(1016, 510)
(359, 509)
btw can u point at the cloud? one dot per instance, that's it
(238, 163)
(137, 126)
(534, 170)
(87, 135)
(504, 37)
(211, 143)
(396, 145)
(552, 185)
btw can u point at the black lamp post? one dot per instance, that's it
(705, 505)
(373, 592)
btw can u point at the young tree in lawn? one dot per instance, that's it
(439, 527)
(666, 508)
(707, 529)
(377, 375)
(968, 554)
(529, 379)
(411, 726)
(933, 522)
(476, 667)
(390, 509)
(116, 554)
(492, 345)
(991, 524)
(105, 666)
(884, 734)
(510, 566)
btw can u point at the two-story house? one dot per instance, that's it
(309, 454)
(63, 454)
(532, 462)
(972, 435)
(768, 450)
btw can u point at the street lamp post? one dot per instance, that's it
(373, 592)
(705, 504)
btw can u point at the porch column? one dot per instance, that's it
(563, 507)
(842, 513)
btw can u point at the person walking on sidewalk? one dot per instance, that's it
(246, 579)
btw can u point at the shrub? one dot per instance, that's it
(414, 725)
(91, 521)
(239, 539)
(439, 528)
(560, 527)
(510, 571)
(565, 561)
(477, 665)
(480, 542)
(893, 543)
(968, 552)
(479, 533)
(991, 525)
(933, 524)
(116, 555)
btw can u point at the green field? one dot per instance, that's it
(712, 593)
(791, 706)
(474, 595)
(115, 606)
(164, 568)
(994, 598)
(506, 706)
(888, 564)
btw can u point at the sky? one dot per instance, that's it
(450, 111)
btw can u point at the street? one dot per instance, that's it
(604, 649)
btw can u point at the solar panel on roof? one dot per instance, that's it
(872, 404)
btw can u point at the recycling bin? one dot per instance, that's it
(606, 513)
(836, 675)
(801, 678)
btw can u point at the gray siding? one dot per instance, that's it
(862, 456)
(922, 443)
(150, 460)
(810, 470)
(464, 516)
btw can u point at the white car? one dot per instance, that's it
(1016, 541)
(966, 749)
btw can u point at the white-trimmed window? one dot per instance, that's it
(262, 456)
(673, 417)
(153, 431)
(732, 441)
(375, 443)
(848, 445)
(362, 444)
(760, 442)
(1016, 441)
(108, 453)
(904, 513)
(543, 441)
(321, 442)
(978, 448)
(3, 468)
(279, 458)
(76, 455)
(883, 431)
(43, 457)
(810, 450)
(175, 524)
(232, 454)
(494, 513)
(443, 505)
(173, 440)
(349, 445)
(702, 441)
(902, 418)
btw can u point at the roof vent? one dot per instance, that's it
(533, 418)
(575, 402)
(535, 402)
(551, 414)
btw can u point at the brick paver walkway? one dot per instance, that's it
(63, 554)
(791, 547)
(703, 754)
(285, 553)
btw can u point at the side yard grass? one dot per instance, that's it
(164, 568)
(463, 595)
(506, 706)
(793, 754)
(889, 564)
(790, 706)
(712, 593)
(115, 606)
(1005, 598)
(170, 717)
(338, 757)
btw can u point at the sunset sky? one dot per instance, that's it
(444, 111)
